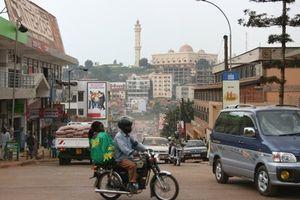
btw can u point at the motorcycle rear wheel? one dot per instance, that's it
(170, 184)
(115, 184)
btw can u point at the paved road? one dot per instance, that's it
(52, 182)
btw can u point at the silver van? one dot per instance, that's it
(257, 143)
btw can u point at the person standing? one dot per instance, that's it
(22, 139)
(53, 149)
(5, 139)
(30, 144)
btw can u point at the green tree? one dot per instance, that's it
(171, 119)
(262, 20)
(144, 62)
(88, 64)
(182, 112)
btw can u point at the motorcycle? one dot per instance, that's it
(177, 156)
(111, 180)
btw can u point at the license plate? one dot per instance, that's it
(78, 151)
(195, 155)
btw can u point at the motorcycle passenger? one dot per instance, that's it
(125, 149)
(176, 142)
(102, 146)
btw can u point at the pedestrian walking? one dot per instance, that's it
(30, 144)
(53, 149)
(5, 137)
(46, 141)
(35, 148)
(22, 139)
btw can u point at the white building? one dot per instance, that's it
(182, 64)
(117, 90)
(137, 90)
(185, 92)
(162, 85)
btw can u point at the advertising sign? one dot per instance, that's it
(43, 29)
(231, 89)
(97, 104)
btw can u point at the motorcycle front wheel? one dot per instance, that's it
(166, 187)
(109, 182)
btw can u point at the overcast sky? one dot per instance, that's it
(103, 30)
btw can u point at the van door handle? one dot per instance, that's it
(241, 142)
(216, 141)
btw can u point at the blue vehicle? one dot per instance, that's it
(261, 144)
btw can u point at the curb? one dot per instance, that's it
(25, 163)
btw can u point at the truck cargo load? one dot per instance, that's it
(72, 142)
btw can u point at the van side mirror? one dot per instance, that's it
(249, 132)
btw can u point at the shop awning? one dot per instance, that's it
(42, 87)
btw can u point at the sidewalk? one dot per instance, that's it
(44, 156)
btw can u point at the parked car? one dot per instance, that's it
(258, 143)
(159, 145)
(194, 149)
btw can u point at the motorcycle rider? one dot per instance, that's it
(175, 142)
(125, 149)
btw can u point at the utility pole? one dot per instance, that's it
(226, 52)
(14, 78)
(19, 27)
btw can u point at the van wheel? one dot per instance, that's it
(263, 184)
(220, 175)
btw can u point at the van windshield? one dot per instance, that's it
(279, 122)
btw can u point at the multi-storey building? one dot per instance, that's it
(117, 102)
(137, 92)
(182, 64)
(253, 67)
(185, 92)
(162, 85)
(31, 80)
(117, 90)
(204, 75)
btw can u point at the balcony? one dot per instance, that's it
(26, 86)
(21, 80)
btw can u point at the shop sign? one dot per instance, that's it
(51, 113)
(231, 89)
(42, 27)
(97, 104)
(34, 113)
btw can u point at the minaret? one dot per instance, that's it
(138, 47)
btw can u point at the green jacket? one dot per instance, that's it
(102, 148)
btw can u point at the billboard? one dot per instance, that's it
(43, 30)
(97, 101)
(231, 89)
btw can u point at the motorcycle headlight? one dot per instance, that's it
(282, 157)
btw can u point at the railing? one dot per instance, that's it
(21, 80)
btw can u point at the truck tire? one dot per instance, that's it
(64, 161)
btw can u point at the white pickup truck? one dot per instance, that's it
(72, 142)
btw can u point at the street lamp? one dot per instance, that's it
(19, 27)
(230, 33)
(69, 73)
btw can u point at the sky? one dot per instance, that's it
(103, 30)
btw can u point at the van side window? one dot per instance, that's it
(245, 121)
(219, 126)
(228, 123)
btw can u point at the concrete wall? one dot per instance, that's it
(292, 87)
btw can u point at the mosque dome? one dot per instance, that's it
(186, 49)
(201, 51)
